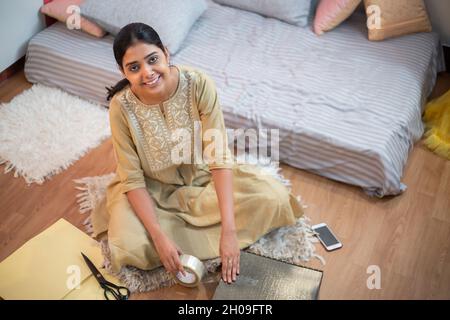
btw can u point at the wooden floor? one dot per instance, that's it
(407, 237)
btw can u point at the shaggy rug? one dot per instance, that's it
(293, 244)
(44, 130)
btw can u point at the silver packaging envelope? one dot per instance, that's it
(263, 278)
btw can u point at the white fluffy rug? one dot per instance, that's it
(293, 244)
(44, 130)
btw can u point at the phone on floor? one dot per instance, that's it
(326, 237)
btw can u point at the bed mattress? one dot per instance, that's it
(346, 108)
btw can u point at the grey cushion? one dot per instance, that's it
(172, 19)
(297, 12)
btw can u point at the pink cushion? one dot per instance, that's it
(330, 13)
(57, 9)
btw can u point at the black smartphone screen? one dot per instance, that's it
(326, 236)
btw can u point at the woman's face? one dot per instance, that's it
(146, 68)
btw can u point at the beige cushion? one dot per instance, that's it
(397, 18)
(58, 9)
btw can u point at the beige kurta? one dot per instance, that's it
(183, 193)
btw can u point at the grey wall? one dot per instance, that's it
(439, 12)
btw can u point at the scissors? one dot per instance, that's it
(110, 289)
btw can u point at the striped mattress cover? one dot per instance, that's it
(347, 108)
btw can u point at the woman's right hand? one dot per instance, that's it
(169, 254)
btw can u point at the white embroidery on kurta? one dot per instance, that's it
(155, 132)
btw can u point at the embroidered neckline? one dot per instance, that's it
(154, 130)
(171, 98)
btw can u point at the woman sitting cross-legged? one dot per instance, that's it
(163, 202)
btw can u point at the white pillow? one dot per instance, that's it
(172, 19)
(296, 12)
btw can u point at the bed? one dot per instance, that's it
(346, 108)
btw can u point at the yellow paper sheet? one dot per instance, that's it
(50, 265)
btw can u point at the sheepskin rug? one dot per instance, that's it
(294, 244)
(44, 130)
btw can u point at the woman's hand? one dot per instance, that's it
(169, 254)
(230, 255)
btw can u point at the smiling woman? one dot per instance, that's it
(157, 208)
(145, 64)
(152, 79)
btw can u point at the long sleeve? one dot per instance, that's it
(211, 117)
(129, 166)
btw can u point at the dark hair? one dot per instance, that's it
(128, 36)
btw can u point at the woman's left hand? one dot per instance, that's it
(230, 255)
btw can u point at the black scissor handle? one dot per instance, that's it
(115, 291)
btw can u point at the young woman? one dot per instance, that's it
(158, 207)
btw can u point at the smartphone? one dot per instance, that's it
(326, 237)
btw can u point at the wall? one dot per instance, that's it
(439, 12)
(20, 20)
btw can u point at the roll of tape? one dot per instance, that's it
(194, 269)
